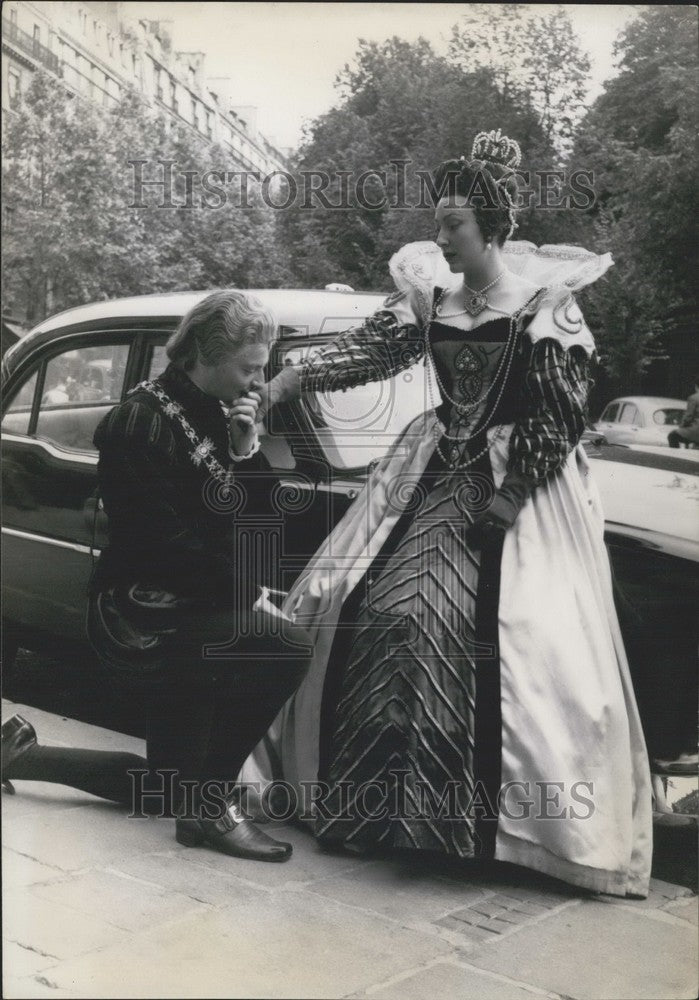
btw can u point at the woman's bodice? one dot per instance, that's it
(467, 362)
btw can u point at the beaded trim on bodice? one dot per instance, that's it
(467, 362)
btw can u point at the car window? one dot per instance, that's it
(629, 414)
(19, 410)
(611, 412)
(158, 361)
(79, 387)
(668, 417)
(356, 427)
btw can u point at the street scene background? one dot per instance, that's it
(71, 235)
(135, 161)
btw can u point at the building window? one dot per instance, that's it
(191, 77)
(195, 121)
(110, 43)
(13, 16)
(173, 95)
(37, 33)
(209, 128)
(14, 87)
(158, 84)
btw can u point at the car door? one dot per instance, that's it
(651, 532)
(332, 440)
(607, 422)
(627, 426)
(319, 449)
(49, 474)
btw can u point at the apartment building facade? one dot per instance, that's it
(97, 51)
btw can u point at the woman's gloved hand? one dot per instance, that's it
(283, 388)
(492, 524)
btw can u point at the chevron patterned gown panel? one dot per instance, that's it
(405, 769)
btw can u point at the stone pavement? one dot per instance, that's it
(95, 905)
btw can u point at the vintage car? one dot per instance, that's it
(640, 419)
(53, 526)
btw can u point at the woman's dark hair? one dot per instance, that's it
(491, 190)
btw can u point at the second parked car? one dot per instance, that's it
(640, 419)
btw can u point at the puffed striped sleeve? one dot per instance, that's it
(553, 408)
(385, 344)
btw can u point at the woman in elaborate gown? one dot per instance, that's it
(481, 705)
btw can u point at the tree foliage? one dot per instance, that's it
(644, 163)
(71, 233)
(403, 109)
(534, 57)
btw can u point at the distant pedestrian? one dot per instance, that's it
(688, 431)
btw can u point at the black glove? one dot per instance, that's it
(502, 513)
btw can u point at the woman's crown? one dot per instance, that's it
(496, 148)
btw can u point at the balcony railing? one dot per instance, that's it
(86, 86)
(31, 46)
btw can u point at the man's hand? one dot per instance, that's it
(243, 416)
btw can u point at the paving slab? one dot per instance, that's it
(19, 870)
(24, 959)
(685, 909)
(446, 979)
(660, 894)
(92, 835)
(36, 987)
(177, 872)
(281, 944)
(133, 904)
(99, 905)
(593, 951)
(398, 890)
(41, 798)
(52, 929)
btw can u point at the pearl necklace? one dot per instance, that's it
(477, 302)
(509, 353)
(461, 406)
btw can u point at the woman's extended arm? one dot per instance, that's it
(386, 343)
